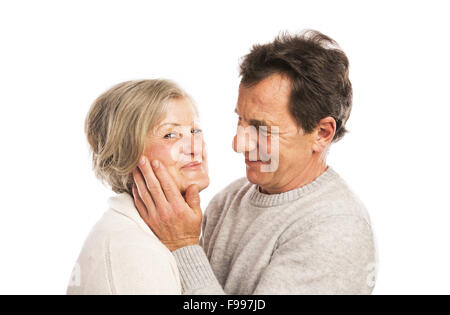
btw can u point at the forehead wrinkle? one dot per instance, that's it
(178, 114)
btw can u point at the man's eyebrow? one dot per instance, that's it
(256, 122)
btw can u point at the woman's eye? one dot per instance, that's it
(196, 131)
(171, 135)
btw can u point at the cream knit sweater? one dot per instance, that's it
(122, 256)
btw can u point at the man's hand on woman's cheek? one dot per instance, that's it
(174, 220)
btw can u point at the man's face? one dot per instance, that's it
(265, 106)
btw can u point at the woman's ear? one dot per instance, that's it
(324, 134)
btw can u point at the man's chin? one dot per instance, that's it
(257, 177)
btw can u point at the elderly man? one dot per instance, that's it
(292, 226)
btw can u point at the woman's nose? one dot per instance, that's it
(193, 145)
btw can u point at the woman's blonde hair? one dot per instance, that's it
(118, 124)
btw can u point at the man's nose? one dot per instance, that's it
(244, 142)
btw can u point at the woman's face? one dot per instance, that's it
(177, 142)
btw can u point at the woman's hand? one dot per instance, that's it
(174, 220)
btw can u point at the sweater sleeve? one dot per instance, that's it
(335, 256)
(139, 267)
(197, 276)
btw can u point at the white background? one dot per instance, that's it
(56, 57)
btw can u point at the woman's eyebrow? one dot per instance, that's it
(175, 124)
(169, 123)
(158, 128)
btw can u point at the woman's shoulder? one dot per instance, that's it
(117, 230)
(120, 257)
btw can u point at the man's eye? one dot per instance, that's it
(171, 135)
(268, 131)
(264, 130)
(194, 131)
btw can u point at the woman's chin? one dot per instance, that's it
(202, 183)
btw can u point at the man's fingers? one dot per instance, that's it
(154, 213)
(142, 192)
(150, 217)
(146, 198)
(169, 187)
(152, 184)
(193, 199)
(140, 206)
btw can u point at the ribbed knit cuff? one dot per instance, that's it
(194, 267)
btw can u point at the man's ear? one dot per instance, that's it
(324, 134)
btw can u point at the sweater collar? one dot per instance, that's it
(123, 203)
(260, 199)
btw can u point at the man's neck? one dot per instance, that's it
(306, 176)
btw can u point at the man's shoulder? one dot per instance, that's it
(335, 201)
(341, 199)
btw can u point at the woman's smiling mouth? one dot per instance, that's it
(192, 166)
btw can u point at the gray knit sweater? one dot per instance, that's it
(313, 240)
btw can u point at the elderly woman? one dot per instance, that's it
(158, 120)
